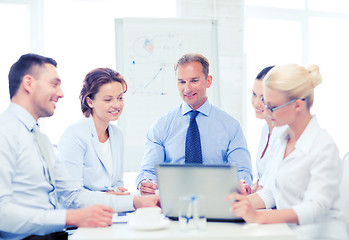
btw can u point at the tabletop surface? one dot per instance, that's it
(213, 230)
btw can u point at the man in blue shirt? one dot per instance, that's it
(222, 139)
(31, 181)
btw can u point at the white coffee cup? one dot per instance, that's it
(148, 215)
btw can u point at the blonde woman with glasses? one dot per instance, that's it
(305, 188)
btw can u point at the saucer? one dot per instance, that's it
(163, 223)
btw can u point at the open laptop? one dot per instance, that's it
(212, 183)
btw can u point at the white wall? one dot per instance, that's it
(85, 42)
(230, 16)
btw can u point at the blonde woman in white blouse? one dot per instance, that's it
(305, 189)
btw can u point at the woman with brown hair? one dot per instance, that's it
(93, 149)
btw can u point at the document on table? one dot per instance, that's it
(120, 219)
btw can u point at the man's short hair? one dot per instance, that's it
(25, 65)
(194, 57)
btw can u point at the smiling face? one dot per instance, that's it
(192, 84)
(45, 91)
(257, 93)
(108, 102)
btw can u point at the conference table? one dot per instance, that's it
(213, 230)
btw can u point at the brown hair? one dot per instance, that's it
(93, 81)
(195, 57)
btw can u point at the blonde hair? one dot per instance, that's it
(296, 82)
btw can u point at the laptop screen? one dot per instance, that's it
(210, 183)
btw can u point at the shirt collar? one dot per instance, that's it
(306, 140)
(307, 137)
(284, 134)
(92, 126)
(22, 115)
(204, 109)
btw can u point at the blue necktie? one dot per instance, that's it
(192, 142)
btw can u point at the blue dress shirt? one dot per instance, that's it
(222, 141)
(25, 207)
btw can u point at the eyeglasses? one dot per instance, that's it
(273, 109)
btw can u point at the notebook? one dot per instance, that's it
(211, 183)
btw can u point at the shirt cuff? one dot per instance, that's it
(55, 220)
(139, 183)
(123, 203)
(304, 214)
(245, 176)
(267, 198)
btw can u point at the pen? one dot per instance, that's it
(152, 182)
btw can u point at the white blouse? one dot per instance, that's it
(265, 165)
(108, 159)
(307, 181)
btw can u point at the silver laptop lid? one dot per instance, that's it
(211, 183)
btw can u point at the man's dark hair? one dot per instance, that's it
(25, 65)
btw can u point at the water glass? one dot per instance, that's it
(191, 214)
